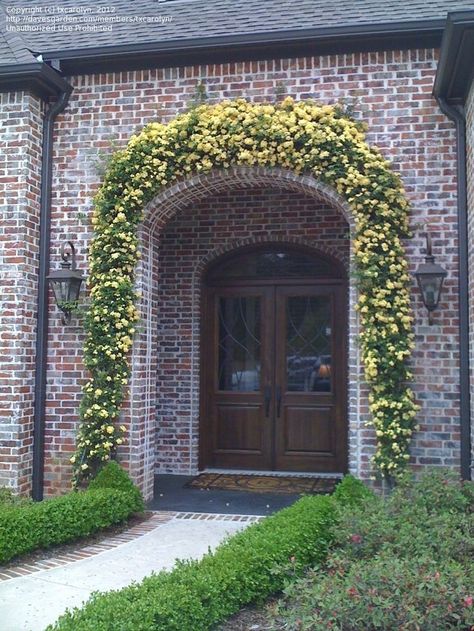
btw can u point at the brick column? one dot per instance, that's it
(20, 171)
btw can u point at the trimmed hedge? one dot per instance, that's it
(247, 568)
(112, 476)
(27, 527)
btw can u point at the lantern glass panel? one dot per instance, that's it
(430, 286)
(66, 289)
(74, 289)
(61, 290)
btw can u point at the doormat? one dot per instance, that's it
(263, 483)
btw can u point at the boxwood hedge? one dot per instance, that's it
(110, 499)
(247, 568)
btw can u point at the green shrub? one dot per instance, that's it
(432, 516)
(28, 526)
(247, 568)
(404, 562)
(8, 497)
(112, 476)
(352, 492)
(383, 593)
(436, 492)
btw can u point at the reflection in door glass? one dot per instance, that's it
(239, 343)
(308, 343)
(273, 262)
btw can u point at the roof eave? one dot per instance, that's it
(456, 63)
(38, 77)
(250, 46)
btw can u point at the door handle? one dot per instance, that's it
(267, 397)
(278, 398)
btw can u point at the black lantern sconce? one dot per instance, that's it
(430, 277)
(66, 282)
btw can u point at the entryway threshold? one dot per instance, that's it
(173, 494)
(286, 474)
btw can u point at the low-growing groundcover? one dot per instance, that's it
(405, 563)
(247, 568)
(26, 526)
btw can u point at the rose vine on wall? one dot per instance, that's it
(304, 137)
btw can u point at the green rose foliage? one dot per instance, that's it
(305, 138)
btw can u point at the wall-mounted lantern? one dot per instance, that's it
(430, 277)
(66, 282)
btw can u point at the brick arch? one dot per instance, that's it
(140, 408)
(318, 247)
(180, 194)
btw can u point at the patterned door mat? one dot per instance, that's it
(263, 483)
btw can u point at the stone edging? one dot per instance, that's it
(249, 519)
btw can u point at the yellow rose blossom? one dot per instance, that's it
(268, 135)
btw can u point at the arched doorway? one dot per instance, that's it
(273, 361)
(166, 168)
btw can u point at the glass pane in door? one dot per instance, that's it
(239, 343)
(308, 343)
(274, 262)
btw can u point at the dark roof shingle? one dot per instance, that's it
(125, 20)
(13, 49)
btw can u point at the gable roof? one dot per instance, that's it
(100, 36)
(13, 49)
(20, 69)
(140, 21)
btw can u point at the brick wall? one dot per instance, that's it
(470, 205)
(390, 90)
(20, 162)
(199, 234)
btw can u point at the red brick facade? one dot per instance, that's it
(20, 167)
(391, 91)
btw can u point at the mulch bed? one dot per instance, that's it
(78, 544)
(251, 619)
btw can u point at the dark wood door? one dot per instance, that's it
(237, 369)
(274, 378)
(309, 427)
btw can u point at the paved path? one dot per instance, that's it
(30, 603)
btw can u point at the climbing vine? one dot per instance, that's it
(303, 137)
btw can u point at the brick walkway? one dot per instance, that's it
(154, 520)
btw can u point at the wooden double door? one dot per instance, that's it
(273, 376)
